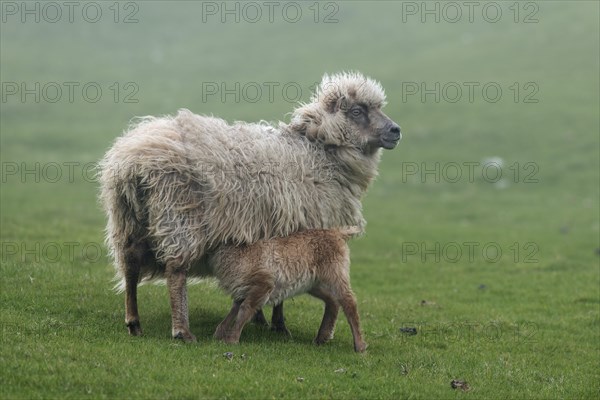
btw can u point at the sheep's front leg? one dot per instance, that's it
(278, 320)
(176, 283)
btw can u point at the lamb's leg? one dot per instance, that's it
(224, 326)
(245, 313)
(259, 318)
(176, 282)
(348, 303)
(261, 286)
(136, 255)
(278, 320)
(327, 327)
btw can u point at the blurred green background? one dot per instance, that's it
(153, 57)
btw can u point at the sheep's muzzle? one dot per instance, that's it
(390, 135)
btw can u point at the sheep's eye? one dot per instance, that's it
(356, 112)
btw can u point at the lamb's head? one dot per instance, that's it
(345, 111)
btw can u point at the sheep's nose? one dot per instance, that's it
(395, 129)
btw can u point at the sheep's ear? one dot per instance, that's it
(332, 102)
(312, 131)
(306, 126)
(341, 104)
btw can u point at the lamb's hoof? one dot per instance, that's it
(282, 330)
(360, 347)
(187, 337)
(219, 335)
(134, 328)
(231, 340)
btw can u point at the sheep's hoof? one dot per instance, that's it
(281, 329)
(320, 341)
(185, 336)
(134, 328)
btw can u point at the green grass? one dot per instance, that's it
(510, 328)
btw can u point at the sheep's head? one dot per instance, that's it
(345, 111)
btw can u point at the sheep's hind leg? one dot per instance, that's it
(176, 282)
(327, 328)
(278, 320)
(132, 318)
(136, 255)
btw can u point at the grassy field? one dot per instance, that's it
(499, 275)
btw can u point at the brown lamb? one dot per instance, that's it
(314, 261)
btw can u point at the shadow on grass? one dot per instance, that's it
(157, 325)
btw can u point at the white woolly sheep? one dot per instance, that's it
(176, 187)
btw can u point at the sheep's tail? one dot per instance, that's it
(119, 195)
(348, 232)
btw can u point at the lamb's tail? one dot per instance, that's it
(348, 232)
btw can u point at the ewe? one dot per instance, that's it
(174, 188)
